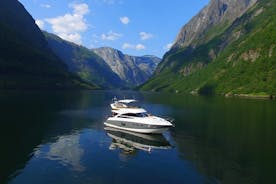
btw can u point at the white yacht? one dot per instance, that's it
(125, 116)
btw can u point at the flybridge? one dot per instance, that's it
(129, 110)
(127, 101)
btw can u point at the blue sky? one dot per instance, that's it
(136, 27)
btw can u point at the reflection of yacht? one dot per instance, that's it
(135, 119)
(130, 141)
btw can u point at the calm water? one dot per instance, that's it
(59, 137)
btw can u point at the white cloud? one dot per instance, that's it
(67, 23)
(45, 5)
(124, 20)
(140, 47)
(111, 36)
(128, 46)
(72, 37)
(145, 36)
(168, 46)
(40, 23)
(70, 25)
(80, 9)
(132, 46)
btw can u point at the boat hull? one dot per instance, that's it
(129, 126)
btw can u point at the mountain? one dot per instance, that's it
(26, 61)
(134, 70)
(228, 48)
(84, 62)
(213, 18)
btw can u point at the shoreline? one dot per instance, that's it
(252, 96)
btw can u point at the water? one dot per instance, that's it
(59, 137)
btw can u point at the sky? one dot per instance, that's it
(136, 27)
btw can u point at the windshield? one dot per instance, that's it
(144, 114)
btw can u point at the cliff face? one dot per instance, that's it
(216, 12)
(227, 49)
(131, 69)
(147, 63)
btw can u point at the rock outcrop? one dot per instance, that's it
(215, 13)
(134, 70)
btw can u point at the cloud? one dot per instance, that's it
(80, 9)
(70, 25)
(168, 46)
(40, 23)
(140, 47)
(111, 36)
(124, 20)
(132, 46)
(72, 37)
(128, 46)
(45, 5)
(145, 36)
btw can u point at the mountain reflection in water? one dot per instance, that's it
(59, 137)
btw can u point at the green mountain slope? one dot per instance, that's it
(84, 62)
(26, 61)
(240, 59)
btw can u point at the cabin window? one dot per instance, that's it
(130, 114)
(137, 114)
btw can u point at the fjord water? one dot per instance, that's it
(59, 137)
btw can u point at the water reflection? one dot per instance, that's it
(66, 150)
(227, 140)
(130, 142)
(63, 141)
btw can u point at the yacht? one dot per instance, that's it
(129, 142)
(126, 116)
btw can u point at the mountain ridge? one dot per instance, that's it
(226, 64)
(134, 70)
(216, 12)
(99, 65)
(85, 63)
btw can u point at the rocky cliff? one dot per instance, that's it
(133, 70)
(217, 12)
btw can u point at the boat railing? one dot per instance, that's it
(121, 105)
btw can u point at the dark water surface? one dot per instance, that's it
(59, 138)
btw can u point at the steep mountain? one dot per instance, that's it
(26, 61)
(84, 62)
(214, 17)
(227, 49)
(134, 70)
